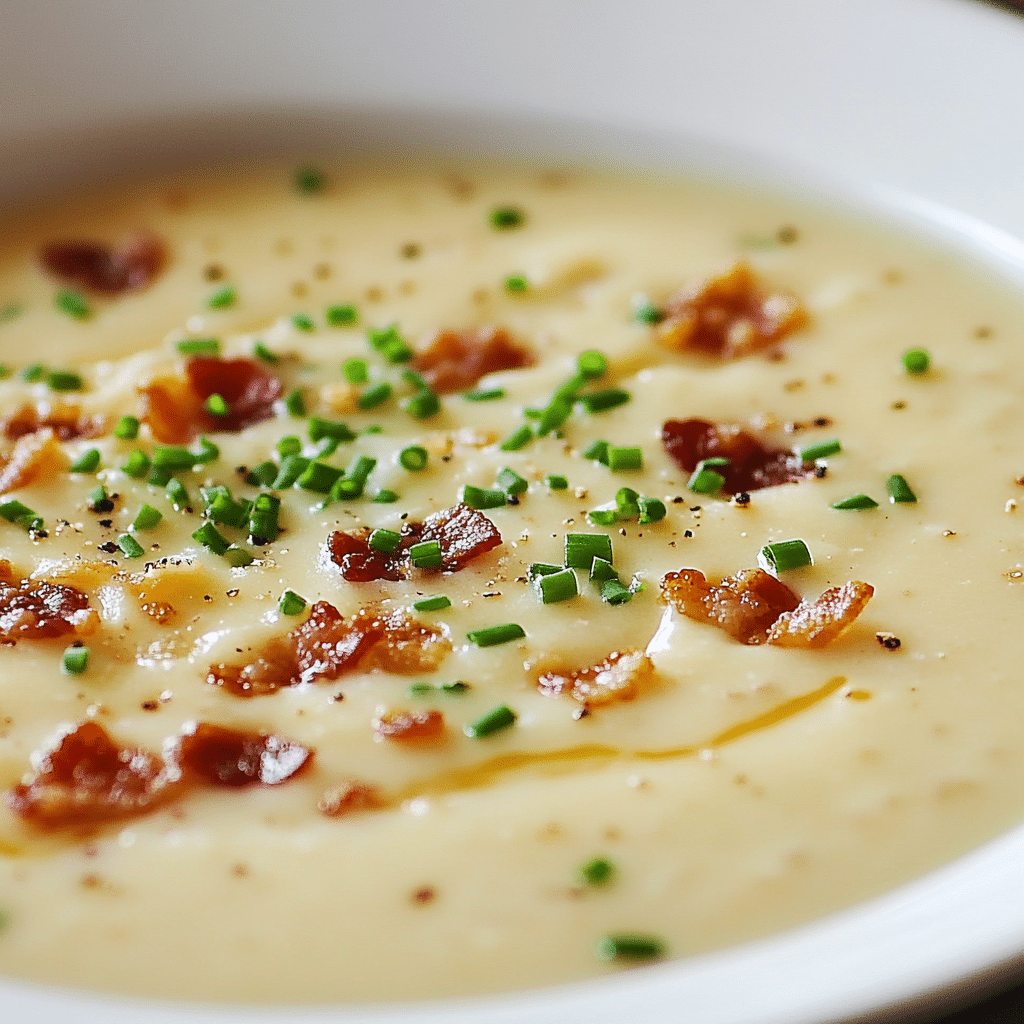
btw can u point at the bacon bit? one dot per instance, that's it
(233, 757)
(752, 465)
(37, 610)
(66, 421)
(174, 406)
(621, 676)
(89, 779)
(326, 645)
(104, 268)
(729, 315)
(409, 725)
(817, 623)
(755, 608)
(463, 533)
(349, 797)
(456, 360)
(34, 455)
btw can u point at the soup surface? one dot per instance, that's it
(253, 751)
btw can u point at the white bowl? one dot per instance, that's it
(913, 106)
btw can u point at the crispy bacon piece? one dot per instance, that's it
(729, 315)
(349, 797)
(104, 268)
(817, 623)
(233, 757)
(88, 779)
(326, 645)
(752, 465)
(456, 360)
(409, 725)
(755, 608)
(66, 422)
(37, 610)
(463, 533)
(174, 407)
(620, 676)
(34, 455)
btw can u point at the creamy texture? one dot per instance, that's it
(747, 789)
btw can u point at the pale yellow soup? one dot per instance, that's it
(744, 790)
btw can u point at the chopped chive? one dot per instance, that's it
(821, 450)
(582, 548)
(99, 501)
(426, 554)
(518, 439)
(433, 604)
(262, 352)
(289, 445)
(569, 389)
(457, 686)
(414, 458)
(87, 462)
(208, 452)
(556, 586)
(421, 689)
(784, 555)
(326, 447)
(628, 946)
(237, 557)
(505, 217)
(302, 322)
(292, 467)
(224, 510)
(554, 414)
(602, 517)
(627, 503)
(21, 515)
(645, 312)
(384, 540)
(511, 482)
(173, 457)
(295, 403)
(198, 347)
(597, 871)
(341, 315)
(423, 405)
(291, 603)
(601, 569)
(216, 405)
(652, 510)
(158, 476)
(624, 459)
(211, 538)
(494, 720)
(494, 635)
(64, 380)
(33, 373)
(74, 304)
(127, 428)
(516, 283)
(614, 592)
(390, 343)
(899, 490)
(319, 477)
(319, 428)
(146, 518)
(556, 482)
(484, 395)
(376, 395)
(263, 526)
(222, 298)
(856, 502)
(482, 497)
(705, 481)
(538, 569)
(5, 370)
(130, 547)
(386, 497)
(355, 371)
(916, 360)
(177, 494)
(601, 401)
(598, 452)
(137, 465)
(592, 364)
(262, 474)
(75, 660)
(353, 482)
(310, 180)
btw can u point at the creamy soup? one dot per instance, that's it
(389, 600)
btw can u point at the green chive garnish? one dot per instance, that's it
(624, 459)
(262, 474)
(482, 497)
(592, 364)
(127, 428)
(614, 592)
(511, 482)
(302, 322)
(601, 569)
(21, 515)
(319, 429)
(645, 312)
(376, 395)
(494, 635)
(222, 298)
(899, 490)
(137, 465)
(310, 180)
(426, 555)
(33, 373)
(99, 501)
(495, 720)
(216, 405)
(423, 405)
(505, 217)
(516, 283)
(856, 502)
(597, 871)
(87, 462)
(518, 439)
(384, 540)
(262, 352)
(199, 347)
(705, 481)
(414, 458)
(582, 548)
(386, 497)
(263, 527)
(598, 452)
(821, 450)
(484, 395)
(652, 510)
(64, 380)
(208, 452)
(356, 371)
(601, 401)
(390, 343)
(237, 557)
(146, 518)
(627, 503)
(210, 537)
(130, 547)
(784, 555)
(627, 946)
(433, 604)
(556, 586)
(177, 494)
(541, 569)
(602, 517)
(74, 304)
(159, 476)
(556, 482)
(291, 603)
(916, 360)
(295, 403)
(341, 315)
(289, 445)
(75, 660)
(318, 477)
